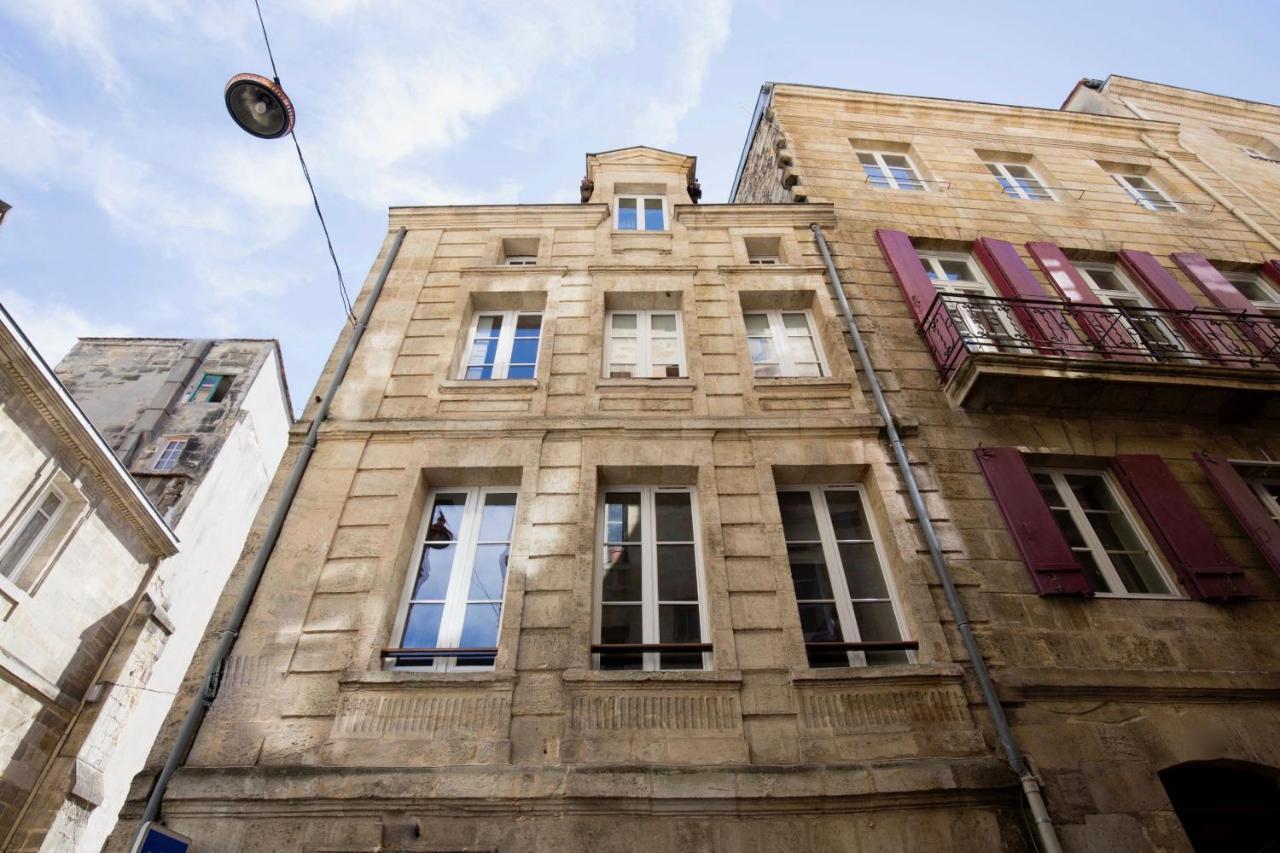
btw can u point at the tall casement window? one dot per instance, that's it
(645, 344)
(167, 458)
(211, 389)
(1145, 193)
(1257, 290)
(838, 572)
(782, 343)
(503, 345)
(1018, 181)
(27, 535)
(642, 213)
(956, 274)
(454, 598)
(890, 171)
(649, 587)
(1103, 534)
(1153, 330)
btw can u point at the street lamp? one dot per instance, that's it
(259, 106)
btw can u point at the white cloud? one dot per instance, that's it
(704, 31)
(77, 27)
(54, 327)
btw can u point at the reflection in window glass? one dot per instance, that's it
(503, 345)
(641, 213)
(781, 343)
(645, 344)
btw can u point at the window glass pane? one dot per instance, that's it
(876, 621)
(956, 270)
(653, 214)
(798, 521)
(862, 570)
(660, 323)
(1074, 537)
(895, 161)
(665, 354)
(488, 325)
(622, 516)
(1091, 491)
(757, 324)
(434, 571)
(679, 623)
(446, 517)
(1096, 579)
(528, 325)
(795, 323)
(677, 573)
(762, 351)
(803, 350)
(846, 515)
(489, 575)
(866, 158)
(674, 521)
(521, 371)
(819, 622)
(808, 369)
(809, 572)
(623, 322)
(622, 573)
(621, 624)
(498, 517)
(876, 176)
(623, 352)
(422, 628)
(21, 543)
(627, 214)
(480, 626)
(524, 351)
(1139, 574)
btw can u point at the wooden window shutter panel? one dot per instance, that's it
(1053, 567)
(1181, 531)
(1099, 327)
(1244, 505)
(1271, 269)
(1044, 323)
(1165, 290)
(1263, 334)
(937, 327)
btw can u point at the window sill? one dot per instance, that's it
(904, 673)
(485, 386)
(396, 677)
(663, 383)
(767, 383)
(633, 676)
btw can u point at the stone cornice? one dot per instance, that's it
(499, 215)
(1223, 106)
(37, 382)
(730, 215)
(852, 426)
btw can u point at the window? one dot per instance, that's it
(841, 588)
(503, 345)
(782, 343)
(454, 599)
(763, 260)
(1268, 491)
(212, 388)
(763, 250)
(646, 344)
(890, 171)
(1145, 193)
(1144, 324)
(641, 213)
(979, 319)
(1258, 291)
(169, 456)
(29, 533)
(1019, 181)
(521, 261)
(1103, 534)
(649, 589)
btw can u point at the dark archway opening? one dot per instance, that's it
(1226, 805)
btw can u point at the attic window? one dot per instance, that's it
(763, 250)
(641, 213)
(212, 388)
(169, 456)
(520, 251)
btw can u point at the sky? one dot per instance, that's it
(139, 208)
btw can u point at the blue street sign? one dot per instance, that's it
(155, 838)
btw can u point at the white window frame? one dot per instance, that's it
(1100, 556)
(1269, 306)
(159, 464)
(455, 606)
(1134, 293)
(520, 260)
(980, 286)
(762, 260)
(649, 604)
(23, 560)
(644, 337)
(887, 172)
(640, 223)
(782, 343)
(1270, 502)
(506, 342)
(835, 565)
(1013, 189)
(1164, 204)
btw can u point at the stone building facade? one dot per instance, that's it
(80, 545)
(1075, 313)
(200, 426)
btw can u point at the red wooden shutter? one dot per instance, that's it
(1165, 290)
(1098, 325)
(1053, 567)
(1260, 331)
(1271, 269)
(1184, 536)
(933, 320)
(1045, 323)
(1245, 506)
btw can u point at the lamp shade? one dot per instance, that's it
(259, 106)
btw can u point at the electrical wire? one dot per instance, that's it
(306, 173)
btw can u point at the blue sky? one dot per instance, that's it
(139, 208)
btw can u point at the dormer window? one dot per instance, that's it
(521, 261)
(641, 213)
(763, 250)
(520, 251)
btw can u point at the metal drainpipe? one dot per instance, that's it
(195, 717)
(1030, 785)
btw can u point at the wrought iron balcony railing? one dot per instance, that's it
(957, 326)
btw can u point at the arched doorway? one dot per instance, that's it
(1226, 805)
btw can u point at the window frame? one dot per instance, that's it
(781, 343)
(506, 344)
(1019, 192)
(1270, 502)
(1164, 205)
(1269, 306)
(520, 261)
(644, 340)
(849, 630)
(219, 379)
(170, 441)
(649, 601)
(1098, 551)
(980, 286)
(23, 560)
(640, 199)
(454, 611)
(1138, 295)
(887, 173)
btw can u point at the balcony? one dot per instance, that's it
(1001, 353)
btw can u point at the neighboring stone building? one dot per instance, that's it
(79, 549)
(1076, 315)
(201, 426)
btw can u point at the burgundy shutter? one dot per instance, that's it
(1245, 506)
(1053, 567)
(1099, 325)
(1044, 322)
(1184, 536)
(1165, 290)
(1256, 326)
(933, 321)
(1271, 269)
